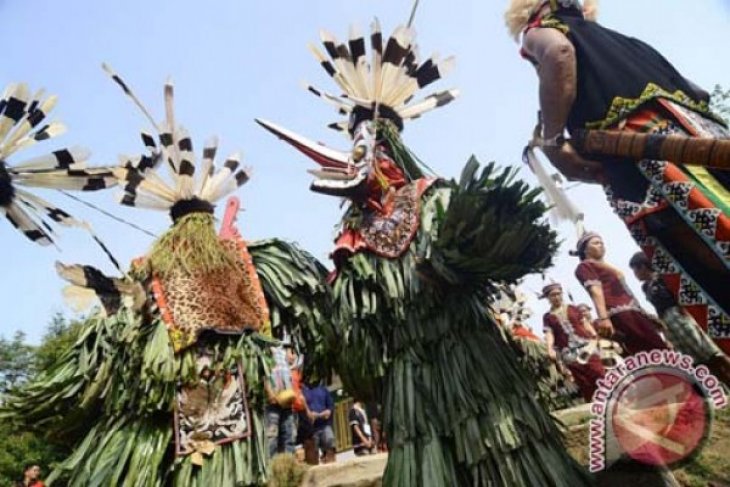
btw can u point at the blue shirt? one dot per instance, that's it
(319, 399)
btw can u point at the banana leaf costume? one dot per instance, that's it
(555, 389)
(165, 387)
(416, 258)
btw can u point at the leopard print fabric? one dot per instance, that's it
(223, 301)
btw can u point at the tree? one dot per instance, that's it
(16, 362)
(21, 362)
(60, 336)
(18, 448)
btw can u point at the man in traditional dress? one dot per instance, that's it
(165, 386)
(416, 258)
(594, 78)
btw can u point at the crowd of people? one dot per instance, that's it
(299, 412)
(299, 416)
(413, 257)
(576, 340)
(595, 80)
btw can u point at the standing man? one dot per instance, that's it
(280, 422)
(595, 78)
(321, 408)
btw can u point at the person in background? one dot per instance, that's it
(280, 422)
(304, 428)
(585, 310)
(682, 329)
(374, 412)
(567, 333)
(618, 310)
(592, 77)
(321, 408)
(31, 476)
(362, 440)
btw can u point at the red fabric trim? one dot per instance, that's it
(350, 241)
(525, 333)
(648, 211)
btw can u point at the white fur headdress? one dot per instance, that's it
(519, 12)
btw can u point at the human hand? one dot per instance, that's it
(572, 165)
(553, 356)
(604, 327)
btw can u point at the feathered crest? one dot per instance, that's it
(22, 117)
(385, 86)
(191, 185)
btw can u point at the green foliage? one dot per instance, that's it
(286, 471)
(21, 363)
(721, 102)
(16, 362)
(493, 230)
(415, 333)
(18, 447)
(294, 284)
(60, 336)
(110, 396)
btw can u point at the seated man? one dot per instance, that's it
(321, 406)
(362, 442)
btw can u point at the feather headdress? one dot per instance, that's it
(22, 117)
(191, 186)
(379, 90)
(385, 86)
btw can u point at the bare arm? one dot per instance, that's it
(364, 439)
(555, 61)
(556, 68)
(589, 328)
(550, 342)
(604, 323)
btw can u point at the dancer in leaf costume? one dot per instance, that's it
(416, 257)
(165, 388)
(555, 389)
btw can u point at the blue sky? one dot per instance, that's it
(235, 60)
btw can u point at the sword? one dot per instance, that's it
(707, 152)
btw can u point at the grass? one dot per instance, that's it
(286, 471)
(710, 468)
